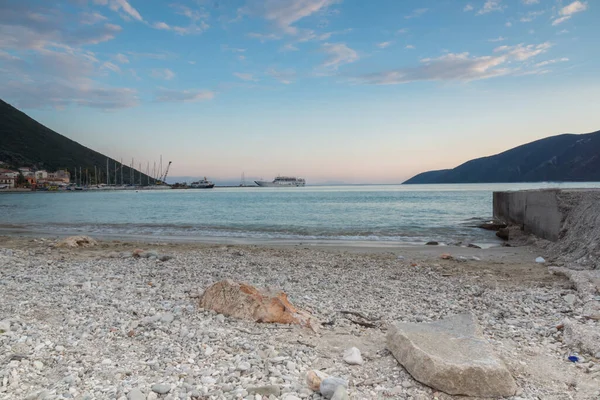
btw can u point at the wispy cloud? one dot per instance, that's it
(459, 66)
(416, 13)
(491, 6)
(338, 54)
(91, 18)
(402, 31)
(409, 47)
(284, 14)
(498, 39)
(183, 96)
(383, 45)
(195, 28)
(121, 58)
(523, 52)
(122, 7)
(162, 73)
(244, 76)
(468, 7)
(289, 47)
(548, 62)
(531, 15)
(567, 11)
(263, 37)
(286, 76)
(530, 2)
(111, 67)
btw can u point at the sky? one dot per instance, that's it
(330, 90)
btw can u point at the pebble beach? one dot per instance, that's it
(98, 323)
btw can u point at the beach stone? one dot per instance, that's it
(570, 299)
(340, 394)
(503, 233)
(270, 390)
(314, 379)
(136, 394)
(4, 326)
(161, 388)
(165, 257)
(352, 356)
(330, 384)
(77, 241)
(591, 310)
(451, 355)
(577, 336)
(167, 317)
(540, 260)
(240, 300)
(432, 243)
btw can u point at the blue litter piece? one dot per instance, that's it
(573, 358)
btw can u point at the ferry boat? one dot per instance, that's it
(283, 181)
(202, 184)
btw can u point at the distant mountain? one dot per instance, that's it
(567, 157)
(25, 142)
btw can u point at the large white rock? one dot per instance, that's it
(581, 338)
(451, 355)
(352, 356)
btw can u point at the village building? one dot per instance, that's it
(7, 181)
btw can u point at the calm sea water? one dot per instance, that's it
(385, 214)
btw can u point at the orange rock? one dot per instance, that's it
(314, 379)
(446, 256)
(240, 300)
(137, 253)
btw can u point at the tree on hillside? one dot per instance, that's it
(21, 181)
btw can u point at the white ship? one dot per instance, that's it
(202, 184)
(282, 181)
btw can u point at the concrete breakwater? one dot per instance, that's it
(570, 218)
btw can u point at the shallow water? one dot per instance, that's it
(377, 213)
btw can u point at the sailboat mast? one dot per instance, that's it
(122, 172)
(107, 175)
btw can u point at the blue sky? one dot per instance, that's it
(331, 90)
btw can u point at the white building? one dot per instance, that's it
(26, 171)
(9, 173)
(41, 174)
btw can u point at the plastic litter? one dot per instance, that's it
(540, 260)
(573, 359)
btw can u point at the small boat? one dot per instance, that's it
(283, 181)
(202, 184)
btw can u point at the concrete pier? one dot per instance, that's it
(536, 211)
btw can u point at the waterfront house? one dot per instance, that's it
(8, 172)
(7, 181)
(41, 174)
(59, 176)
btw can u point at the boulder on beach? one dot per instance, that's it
(451, 355)
(77, 241)
(493, 225)
(503, 233)
(240, 300)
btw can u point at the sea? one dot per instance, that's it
(384, 215)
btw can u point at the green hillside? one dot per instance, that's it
(25, 142)
(562, 158)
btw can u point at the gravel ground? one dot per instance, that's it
(92, 324)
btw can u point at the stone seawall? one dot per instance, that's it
(536, 211)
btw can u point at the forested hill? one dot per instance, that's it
(25, 142)
(559, 158)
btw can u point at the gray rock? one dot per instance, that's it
(591, 310)
(570, 299)
(136, 394)
(266, 390)
(161, 388)
(451, 355)
(330, 384)
(167, 317)
(243, 366)
(165, 257)
(340, 394)
(352, 356)
(580, 337)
